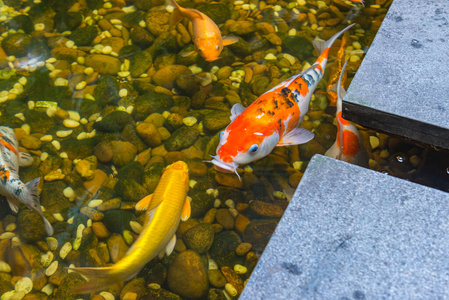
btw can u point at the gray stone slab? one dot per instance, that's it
(353, 233)
(402, 85)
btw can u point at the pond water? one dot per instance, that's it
(101, 96)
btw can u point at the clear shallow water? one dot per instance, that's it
(99, 95)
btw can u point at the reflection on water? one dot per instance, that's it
(103, 97)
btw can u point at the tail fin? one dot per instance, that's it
(97, 279)
(33, 203)
(323, 45)
(175, 16)
(340, 90)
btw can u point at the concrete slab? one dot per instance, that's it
(353, 233)
(402, 85)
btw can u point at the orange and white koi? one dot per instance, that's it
(164, 210)
(349, 145)
(336, 71)
(11, 186)
(206, 34)
(273, 119)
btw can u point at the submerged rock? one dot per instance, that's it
(31, 226)
(298, 47)
(16, 44)
(182, 138)
(107, 89)
(187, 275)
(84, 36)
(199, 238)
(223, 248)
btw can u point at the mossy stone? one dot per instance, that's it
(199, 238)
(141, 37)
(128, 51)
(68, 283)
(218, 12)
(118, 220)
(52, 197)
(216, 120)
(78, 148)
(298, 47)
(84, 36)
(164, 43)
(216, 294)
(39, 48)
(67, 21)
(201, 203)
(22, 22)
(31, 226)
(130, 190)
(5, 284)
(227, 58)
(259, 232)
(107, 90)
(325, 134)
(309, 149)
(182, 138)
(152, 175)
(223, 248)
(114, 122)
(28, 174)
(133, 170)
(39, 121)
(242, 48)
(151, 102)
(129, 134)
(160, 294)
(140, 63)
(16, 44)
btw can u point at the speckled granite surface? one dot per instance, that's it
(353, 233)
(402, 85)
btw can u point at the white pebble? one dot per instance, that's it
(123, 93)
(70, 221)
(192, 183)
(27, 128)
(88, 70)
(154, 286)
(297, 165)
(7, 235)
(130, 109)
(48, 289)
(77, 243)
(81, 60)
(11, 227)
(92, 134)
(95, 203)
(20, 116)
(23, 80)
(270, 56)
(44, 156)
(206, 80)
(52, 243)
(31, 105)
(56, 144)
(52, 268)
(65, 250)
(196, 69)
(354, 58)
(107, 296)
(189, 121)
(82, 136)
(212, 264)
(80, 85)
(374, 142)
(15, 242)
(84, 121)
(74, 115)
(4, 267)
(47, 258)
(106, 50)
(58, 217)
(230, 203)
(70, 44)
(233, 212)
(63, 133)
(61, 82)
(70, 123)
(239, 269)
(25, 284)
(123, 74)
(135, 226)
(292, 32)
(79, 231)
(47, 138)
(231, 290)
(217, 203)
(39, 26)
(279, 195)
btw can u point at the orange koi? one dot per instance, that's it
(273, 119)
(349, 145)
(206, 34)
(336, 71)
(358, 1)
(165, 208)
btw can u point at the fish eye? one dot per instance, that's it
(253, 148)
(221, 135)
(217, 47)
(199, 50)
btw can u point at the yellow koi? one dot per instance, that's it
(164, 210)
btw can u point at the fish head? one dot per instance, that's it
(243, 144)
(209, 48)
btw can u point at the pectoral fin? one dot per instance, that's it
(295, 137)
(187, 53)
(25, 159)
(236, 110)
(144, 203)
(229, 40)
(185, 214)
(175, 17)
(13, 204)
(170, 246)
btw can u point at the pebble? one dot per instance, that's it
(231, 290)
(4, 267)
(47, 258)
(123, 93)
(52, 243)
(212, 264)
(7, 235)
(52, 268)
(48, 289)
(56, 144)
(107, 296)
(135, 226)
(79, 231)
(374, 142)
(189, 121)
(61, 82)
(243, 249)
(25, 284)
(70, 123)
(63, 133)
(239, 269)
(65, 250)
(270, 56)
(63, 155)
(58, 217)
(354, 58)
(77, 243)
(47, 138)
(128, 237)
(94, 203)
(11, 227)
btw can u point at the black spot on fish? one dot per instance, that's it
(275, 103)
(271, 113)
(415, 43)
(285, 92)
(289, 103)
(280, 123)
(261, 110)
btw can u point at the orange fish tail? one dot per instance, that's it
(98, 278)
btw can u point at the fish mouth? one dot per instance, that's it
(223, 166)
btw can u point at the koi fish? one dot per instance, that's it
(164, 210)
(11, 186)
(206, 34)
(336, 71)
(349, 145)
(273, 119)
